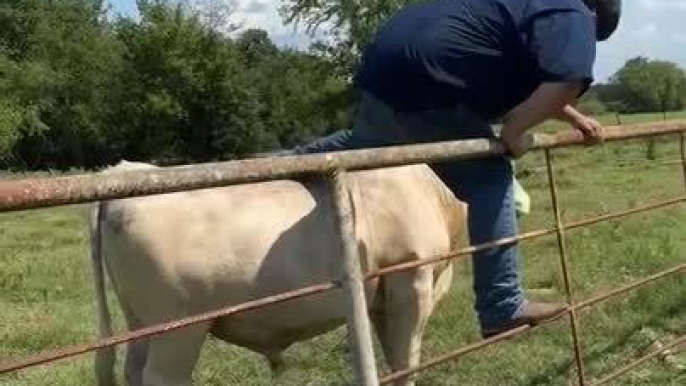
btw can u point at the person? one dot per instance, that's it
(445, 70)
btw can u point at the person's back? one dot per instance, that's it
(443, 70)
(477, 52)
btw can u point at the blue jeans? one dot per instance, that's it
(484, 184)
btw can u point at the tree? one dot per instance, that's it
(58, 57)
(353, 24)
(185, 94)
(643, 85)
(80, 90)
(591, 103)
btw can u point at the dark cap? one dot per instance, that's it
(608, 14)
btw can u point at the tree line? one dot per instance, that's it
(80, 88)
(177, 84)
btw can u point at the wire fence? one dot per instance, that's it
(49, 192)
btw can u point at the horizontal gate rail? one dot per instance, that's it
(6, 367)
(623, 370)
(451, 356)
(68, 352)
(524, 236)
(55, 191)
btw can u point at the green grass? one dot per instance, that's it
(46, 297)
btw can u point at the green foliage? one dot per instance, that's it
(59, 56)
(354, 24)
(643, 85)
(10, 121)
(591, 104)
(182, 91)
(178, 84)
(81, 90)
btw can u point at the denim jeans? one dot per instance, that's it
(484, 184)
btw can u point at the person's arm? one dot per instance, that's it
(562, 44)
(545, 103)
(589, 127)
(568, 114)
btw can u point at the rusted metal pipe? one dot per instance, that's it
(359, 329)
(68, 352)
(564, 265)
(456, 354)
(625, 213)
(453, 355)
(625, 369)
(682, 153)
(7, 366)
(523, 237)
(570, 138)
(462, 252)
(637, 284)
(573, 308)
(39, 193)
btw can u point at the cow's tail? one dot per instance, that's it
(104, 358)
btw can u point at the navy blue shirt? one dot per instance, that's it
(488, 54)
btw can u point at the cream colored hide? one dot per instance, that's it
(175, 255)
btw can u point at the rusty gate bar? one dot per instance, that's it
(524, 236)
(158, 329)
(564, 265)
(462, 252)
(462, 351)
(359, 329)
(625, 213)
(56, 191)
(42, 358)
(623, 370)
(72, 351)
(525, 329)
(637, 284)
(682, 152)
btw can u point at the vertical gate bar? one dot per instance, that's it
(359, 329)
(564, 261)
(682, 150)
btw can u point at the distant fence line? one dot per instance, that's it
(37, 193)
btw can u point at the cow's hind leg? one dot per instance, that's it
(408, 302)
(173, 356)
(377, 315)
(136, 351)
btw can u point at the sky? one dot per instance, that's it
(652, 28)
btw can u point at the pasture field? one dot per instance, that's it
(46, 296)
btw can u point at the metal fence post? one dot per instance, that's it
(564, 261)
(359, 330)
(682, 153)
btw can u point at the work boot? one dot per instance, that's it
(533, 314)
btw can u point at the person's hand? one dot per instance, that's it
(590, 128)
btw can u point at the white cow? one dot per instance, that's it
(175, 255)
